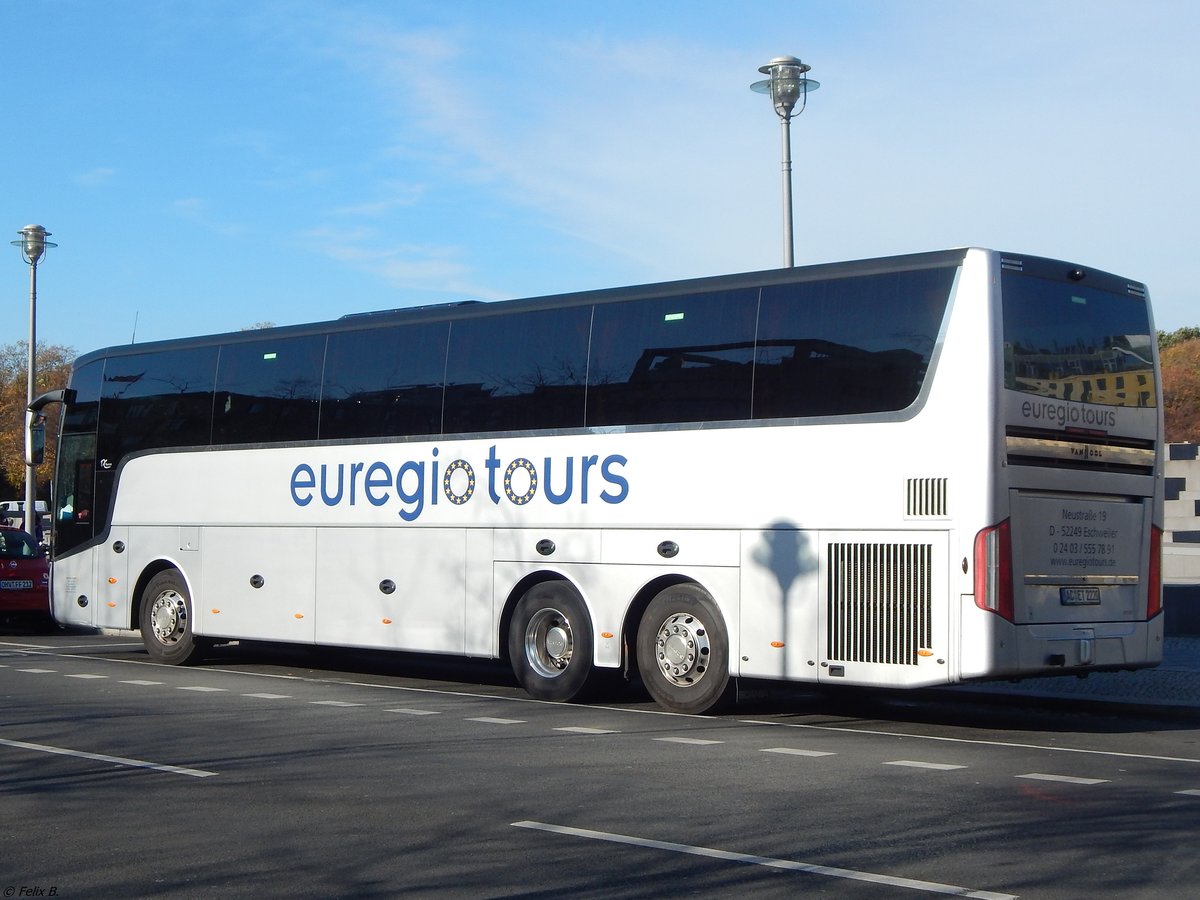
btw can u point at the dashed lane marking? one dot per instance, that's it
(917, 764)
(141, 682)
(699, 742)
(581, 729)
(85, 676)
(270, 696)
(796, 751)
(203, 689)
(1065, 779)
(931, 887)
(416, 712)
(334, 703)
(493, 720)
(101, 757)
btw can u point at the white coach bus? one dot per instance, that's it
(899, 472)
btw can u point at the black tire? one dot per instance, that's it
(550, 642)
(683, 651)
(166, 620)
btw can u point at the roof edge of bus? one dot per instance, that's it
(473, 308)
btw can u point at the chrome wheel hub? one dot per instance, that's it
(681, 649)
(549, 643)
(168, 617)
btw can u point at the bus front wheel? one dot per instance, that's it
(683, 651)
(550, 642)
(166, 620)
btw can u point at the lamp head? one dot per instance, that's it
(33, 243)
(787, 84)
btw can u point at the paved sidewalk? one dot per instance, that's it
(1175, 683)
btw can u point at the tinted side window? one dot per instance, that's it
(152, 400)
(848, 345)
(80, 416)
(75, 491)
(384, 382)
(682, 359)
(268, 390)
(517, 372)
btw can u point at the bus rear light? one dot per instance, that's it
(1154, 578)
(993, 570)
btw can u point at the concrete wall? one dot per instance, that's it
(1181, 540)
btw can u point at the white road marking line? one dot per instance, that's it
(140, 682)
(415, 712)
(700, 742)
(1192, 792)
(202, 689)
(334, 703)
(794, 751)
(270, 696)
(954, 740)
(792, 865)
(581, 729)
(1066, 779)
(916, 764)
(100, 757)
(38, 671)
(649, 712)
(85, 676)
(492, 720)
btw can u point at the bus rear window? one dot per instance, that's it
(1073, 342)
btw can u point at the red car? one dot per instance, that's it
(24, 576)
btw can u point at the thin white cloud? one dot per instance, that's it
(97, 177)
(406, 266)
(391, 196)
(196, 211)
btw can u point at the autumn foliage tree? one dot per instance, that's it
(53, 369)
(1180, 360)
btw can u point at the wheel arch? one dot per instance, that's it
(151, 569)
(516, 592)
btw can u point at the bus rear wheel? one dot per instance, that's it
(550, 642)
(166, 620)
(683, 651)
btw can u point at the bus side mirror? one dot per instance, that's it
(35, 424)
(35, 438)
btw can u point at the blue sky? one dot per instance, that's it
(207, 165)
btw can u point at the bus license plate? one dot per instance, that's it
(15, 584)
(1079, 596)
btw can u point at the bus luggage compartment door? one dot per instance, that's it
(258, 583)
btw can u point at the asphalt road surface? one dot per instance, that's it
(280, 772)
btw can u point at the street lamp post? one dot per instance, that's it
(787, 86)
(33, 245)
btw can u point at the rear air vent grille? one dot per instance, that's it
(880, 602)
(926, 498)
